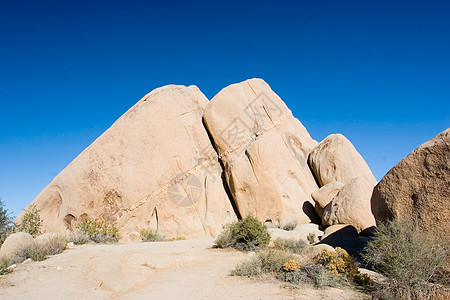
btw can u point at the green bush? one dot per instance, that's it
(247, 234)
(5, 222)
(150, 235)
(322, 277)
(290, 245)
(409, 258)
(98, 230)
(31, 222)
(4, 264)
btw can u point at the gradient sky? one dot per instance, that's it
(376, 71)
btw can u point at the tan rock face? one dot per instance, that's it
(324, 195)
(351, 206)
(154, 168)
(418, 187)
(264, 150)
(335, 159)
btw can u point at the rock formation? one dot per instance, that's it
(324, 195)
(184, 166)
(335, 159)
(418, 187)
(351, 206)
(264, 150)
(154, 168)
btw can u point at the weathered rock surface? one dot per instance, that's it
(351, 206)
(132, 237)
(47, 237)
(264, 150)
(418, 187)
(154, 168)
(324, 195)
(15, 242)
(336, 159)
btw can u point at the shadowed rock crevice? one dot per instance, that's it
(222, 174)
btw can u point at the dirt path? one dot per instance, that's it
(162, 270)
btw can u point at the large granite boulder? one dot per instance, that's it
(264, 150)
(154, 168)
(16, 242)
(351, 206)
(336, 159)
(418, 187)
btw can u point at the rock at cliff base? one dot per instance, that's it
(324, 195)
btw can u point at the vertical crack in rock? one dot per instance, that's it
(222, 175)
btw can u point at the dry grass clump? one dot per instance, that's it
(410, 259)
(265, 261)
(150, 235)
(291, 245)
(246, 235)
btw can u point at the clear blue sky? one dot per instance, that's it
(376, 71)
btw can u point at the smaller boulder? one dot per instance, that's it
(324, 195)
(351, 206)
(336, 159)
(132, 237)
(284, 234)
(306, 229)
(316, 250)
(15, 242)
(47, 237)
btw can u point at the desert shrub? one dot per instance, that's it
(150, 235)
(5, 222)
(341, 263)
(78, 238)
(409, 258)
(290, 245)
(31, 222)
(312, 238)
(266, 261)
(322, 277)
(251, 267)
(4, 264)
(54, 245)
(290, 226)
(98, 230)
(273, 260)
(246, 234)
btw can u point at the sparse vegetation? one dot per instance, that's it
(151, 235)
(31, 222)
(410, 259)
(4, 264)
(39, 251)
(290, 245)
(290, 226)
(78, 238)
(247, 234)
(5, 222)
(312, 238)
(266, 261)
(97, 230)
